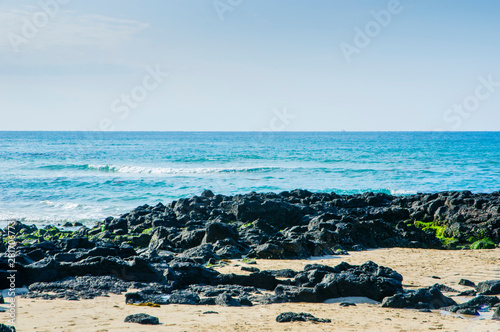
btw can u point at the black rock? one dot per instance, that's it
(159, 239)
(466, 282)
(444, 288)
(491, 287)
(142, 319)
(267, 251)
(183, 274)
(76, 242)
(65, 257)
(277, 213)
(298, 294)
(126, 250)
(496, 314)
(472, 306)
(470, 292)
(7, 328)
(347, 304)
(283, 273)
(37, 254)
(189, 238)
(467, 311)
(219, 231)
(257, 279)
(184, 297)
(81, 287)
(200, 254)
(287, 317)
(226, 300)
(369, 280)
(423, 298)
(207, 193)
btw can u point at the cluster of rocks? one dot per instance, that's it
(165, 251)
(300, 224)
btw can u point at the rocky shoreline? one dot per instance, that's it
(166, 253)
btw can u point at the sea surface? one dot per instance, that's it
(52, 177)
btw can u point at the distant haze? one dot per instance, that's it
(249, 65)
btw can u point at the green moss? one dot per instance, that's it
(147, 230)
(248, 260)
(439, 231)
(247, 225)
(485, 243)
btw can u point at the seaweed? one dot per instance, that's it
(438, 230)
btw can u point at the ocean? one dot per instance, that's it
(55, 177)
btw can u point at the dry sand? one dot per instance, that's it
(416, 265)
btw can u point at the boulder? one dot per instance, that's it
(226, 300)
(183, 274)
(423, 298)
(219, 231)
(184, 297)
(496, 314)
(368, 280)
(490, 287)
(267, 251)
(200, 254)
(287, 317)
(298, 294)
(466, 282)
(142, 319)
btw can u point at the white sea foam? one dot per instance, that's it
(63, 205)
(177, 170)
(53, 212)
(402, 192)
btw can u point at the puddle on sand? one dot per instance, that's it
(318, 258)
(19, 291)
(352, 299)
(483, 314)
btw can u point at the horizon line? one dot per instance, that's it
(251, 131)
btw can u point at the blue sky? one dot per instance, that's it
(249, 65)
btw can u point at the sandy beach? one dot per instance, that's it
(419, 268)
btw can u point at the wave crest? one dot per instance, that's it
(161, 170)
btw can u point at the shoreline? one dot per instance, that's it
(48, 220)
(265, 249)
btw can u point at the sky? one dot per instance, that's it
(249, 65)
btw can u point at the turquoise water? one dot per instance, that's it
(75, 176)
